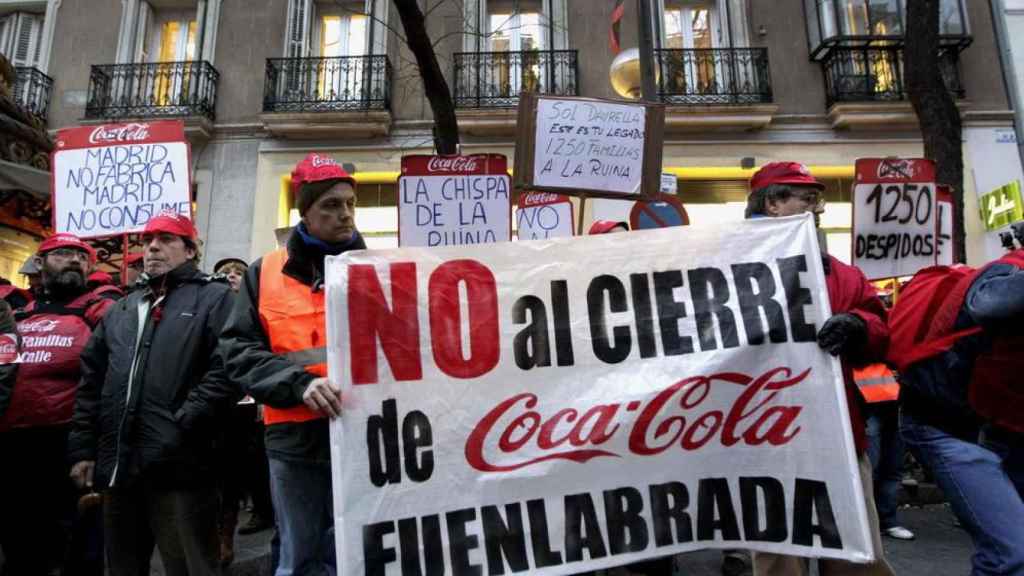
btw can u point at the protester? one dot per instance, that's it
(14, 296)
(35, 421)
(275, 347)
(856, 332)
(31, 272)
(101, 283)
(880, 389)
(607, 227)
(962, 398)
(150, 392)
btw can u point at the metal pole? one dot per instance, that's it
(648, 91)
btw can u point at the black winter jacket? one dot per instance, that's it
(157, 427)
(270, 378)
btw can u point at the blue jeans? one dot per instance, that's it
(304, 508)
(984, 482)
(885, 450)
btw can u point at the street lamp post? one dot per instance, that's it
(648, 90)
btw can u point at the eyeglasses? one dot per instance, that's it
(812, 198)
(69, 253)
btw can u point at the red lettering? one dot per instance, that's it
(370, 319)
(446, 318)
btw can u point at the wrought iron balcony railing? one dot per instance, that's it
(714, 76)
(876, 74)
(152, 90)
(495, 79)
(330, 84)
(32, 91)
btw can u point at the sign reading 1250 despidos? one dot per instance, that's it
(895, 222)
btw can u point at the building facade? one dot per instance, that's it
(262, 83)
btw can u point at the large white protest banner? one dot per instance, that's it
(557, 406)
(895, 223)
(111, 179)
(454, 200)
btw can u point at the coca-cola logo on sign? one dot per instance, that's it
(902, 169)
(319, 161)
(518, 432)
(452, 164)
(126, 133)
(8, 348)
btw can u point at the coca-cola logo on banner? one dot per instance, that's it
(454, 164)
(126, 133)
(8, 348)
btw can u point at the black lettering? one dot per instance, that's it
(715, 510)
(382, 431)
(540, 541)
(375, 556)
(416, 434)
(668, 508)
(530, 346)
(582, 529)
(618, 350)
(563, 329)
(627, 530)
(810, 501)
(796, 297)
(751, 303)
(774, 509)
(670, 311)
(433, 548)
(460, 542)
(707, 304)
(643, 314)
(504, 540)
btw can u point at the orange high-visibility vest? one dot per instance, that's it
(293, 319)
(877, 383)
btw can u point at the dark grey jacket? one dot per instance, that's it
(158, 424)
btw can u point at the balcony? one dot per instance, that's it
(330, 96)
(707, 88)
(32, 91)
(864, 87)
(488, 85)
(185, 90)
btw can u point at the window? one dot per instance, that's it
(690, 28)
(152, 34)
(514, 30)
(341, 35)
(20, 34)
(882, 22)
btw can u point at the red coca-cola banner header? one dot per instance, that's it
(528, 199)
(894, 170)
(474, 164)
(116, 134)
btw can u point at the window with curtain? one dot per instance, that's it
(177, 42)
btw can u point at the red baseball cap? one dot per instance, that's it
(605, 226)
(172, 223)
(317, 168)
(784, 173)
(65, 240)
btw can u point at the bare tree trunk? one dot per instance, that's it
(446, 127)
(935, 107)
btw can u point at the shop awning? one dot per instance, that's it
(21, 177)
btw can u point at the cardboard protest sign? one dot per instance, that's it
(558, 406)
(454, 200)
(588, 146)
(894, 216)
(111, 179)
(543, 215)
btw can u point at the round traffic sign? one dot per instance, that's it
(662, 211)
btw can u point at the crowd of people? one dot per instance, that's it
(140, 416)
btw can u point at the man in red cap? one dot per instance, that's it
(152, 388)
(857, 333)
(275, 345)
(36, 418)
